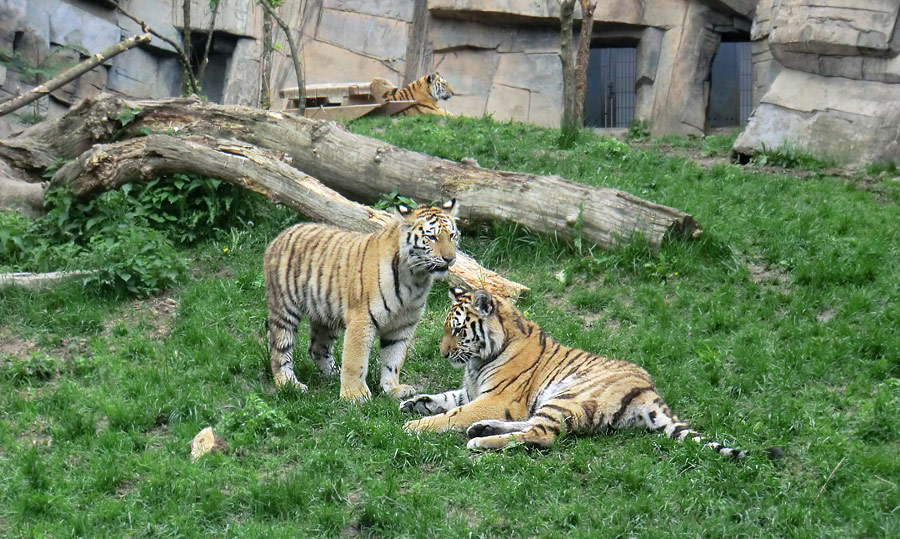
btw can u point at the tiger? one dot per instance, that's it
(372, 285)
(522, 386)
(425, 91)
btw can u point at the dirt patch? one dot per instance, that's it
(763, 273)
(825, 316)
(16, 347)
(158, 313)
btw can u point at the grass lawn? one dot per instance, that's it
(779, 326)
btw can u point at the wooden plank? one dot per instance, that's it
(395, 107)
(350, 112)
(329, 89)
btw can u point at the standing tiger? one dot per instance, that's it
(425, 91)
(521, 386)
(371, 284)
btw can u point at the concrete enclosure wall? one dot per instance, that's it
(501, 57)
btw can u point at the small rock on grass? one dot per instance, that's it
(207, 441)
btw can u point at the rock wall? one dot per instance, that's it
(828, 77)
(40, 38)
(501, 57)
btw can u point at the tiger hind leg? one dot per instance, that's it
(540, 429)
(321, 347)
(281, 334)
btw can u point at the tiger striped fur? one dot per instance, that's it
(521, 386)
(425, 91)
(374, 285)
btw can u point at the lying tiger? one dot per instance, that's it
(521, 386)
(425, 91)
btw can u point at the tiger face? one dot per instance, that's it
(429, 237)
(472, 331)
(438, 86)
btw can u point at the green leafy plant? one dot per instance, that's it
(392, 200)
(254, 421)
(638, 129)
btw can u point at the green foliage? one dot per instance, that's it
(128, 235)
(790, 155)
(639, 129)
(392, 200)
(254, 421)
(128, 114)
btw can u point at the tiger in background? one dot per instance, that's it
(521, 386)
(374, 285)
(425, 91)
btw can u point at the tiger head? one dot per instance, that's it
(428, 237)
(438, 86)
(473, 331)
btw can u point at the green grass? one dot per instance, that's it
(777, 327)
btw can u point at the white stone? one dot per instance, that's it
(377, 37)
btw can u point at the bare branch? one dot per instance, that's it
(185, 61)
(295, 54)
(72, 73)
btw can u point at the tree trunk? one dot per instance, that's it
(364, 169)
(566, 13)
(262, 171)
(582, 57)
(295, 53)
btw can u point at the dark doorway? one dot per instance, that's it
(730, 85)
(609, 98)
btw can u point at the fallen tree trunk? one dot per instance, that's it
(106, 167)
(364, 169)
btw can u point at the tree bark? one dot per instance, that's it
(364, 169)
(566, 14)
(582, 57)
(295, 53)
(72, 73)
(262, 171)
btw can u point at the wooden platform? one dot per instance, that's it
(341, 101)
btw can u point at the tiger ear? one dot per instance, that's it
(404, 213)
(457, 292)
(429, 78)
(450, 207)
(483, 303)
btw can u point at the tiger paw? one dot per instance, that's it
(489, 442)
(287, 379)
(487, 427)
(401, 391)
(355, 393)
(418, 404)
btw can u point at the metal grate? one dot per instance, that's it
(609, 99)
(730, 85)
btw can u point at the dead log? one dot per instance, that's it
(262, 171)
(364, 169)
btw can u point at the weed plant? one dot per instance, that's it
(778, 326)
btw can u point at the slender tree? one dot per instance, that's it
(569, 123)
(581, 58)
(269, 6)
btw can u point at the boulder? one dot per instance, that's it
(853, 122)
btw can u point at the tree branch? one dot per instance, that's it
(295, 54)
(185, 61)
(72, 73)
(105, 167)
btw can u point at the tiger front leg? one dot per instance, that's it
(355, 360)
(435, 404)
(281, 334)
(540, 429)
(393, 353)
(460, 417)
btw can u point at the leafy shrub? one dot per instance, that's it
(134, 260)
(127, 234)
(255, 420)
